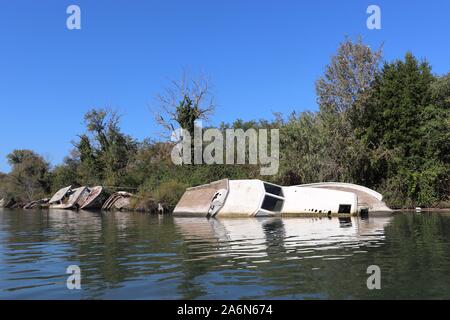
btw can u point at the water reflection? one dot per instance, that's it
(257, 238)
(137, 256)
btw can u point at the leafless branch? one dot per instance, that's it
(198, 90)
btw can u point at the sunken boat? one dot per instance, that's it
(118, 201)
(7, 203)
(42, 203)
(94, 199)
(257, 198)
(68, 198)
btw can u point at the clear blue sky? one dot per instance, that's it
(262, 56)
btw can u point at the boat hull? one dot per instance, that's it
(94, 200)
(256, 198)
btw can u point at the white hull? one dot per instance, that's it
(256, 198)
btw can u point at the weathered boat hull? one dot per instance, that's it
(197, 200)
(118, 201)
(72, 199)
(59, 195)
(94, 200)
(42, 203)
(4, 203)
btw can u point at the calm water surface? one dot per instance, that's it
(137, 256)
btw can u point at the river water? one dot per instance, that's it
(138, 256)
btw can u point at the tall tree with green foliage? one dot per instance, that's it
(404, 114)
(104, 152)
(29, 178)
(322, 146)
(65, 174)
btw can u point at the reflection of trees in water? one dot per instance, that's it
(130, 246)
(23, 231)
(414, 260)
(418, 266)
(201, 236)
(110, 248)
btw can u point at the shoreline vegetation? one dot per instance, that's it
(384, 125)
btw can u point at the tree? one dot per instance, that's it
(29, 178)
(350, 74)
(440, 92)
(406, 113)
(65, 174)
(4, 193)
(104, 152)
(341, 92)
(400, 94)
(184, 102)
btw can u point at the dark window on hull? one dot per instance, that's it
(276, 190)
(345, 208)
(272, 204)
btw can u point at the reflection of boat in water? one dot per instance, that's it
(258, 198)
(252, 237)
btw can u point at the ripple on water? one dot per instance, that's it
(138, 256)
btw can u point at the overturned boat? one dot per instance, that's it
(42, 203)
(7, 203)
(118, 201)
(68, 198)
(94, 199)
(59, 195)
(256, 198)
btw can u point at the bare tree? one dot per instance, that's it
(183, 102)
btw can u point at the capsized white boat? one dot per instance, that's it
(259, 198)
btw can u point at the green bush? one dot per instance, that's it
(168, 193)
